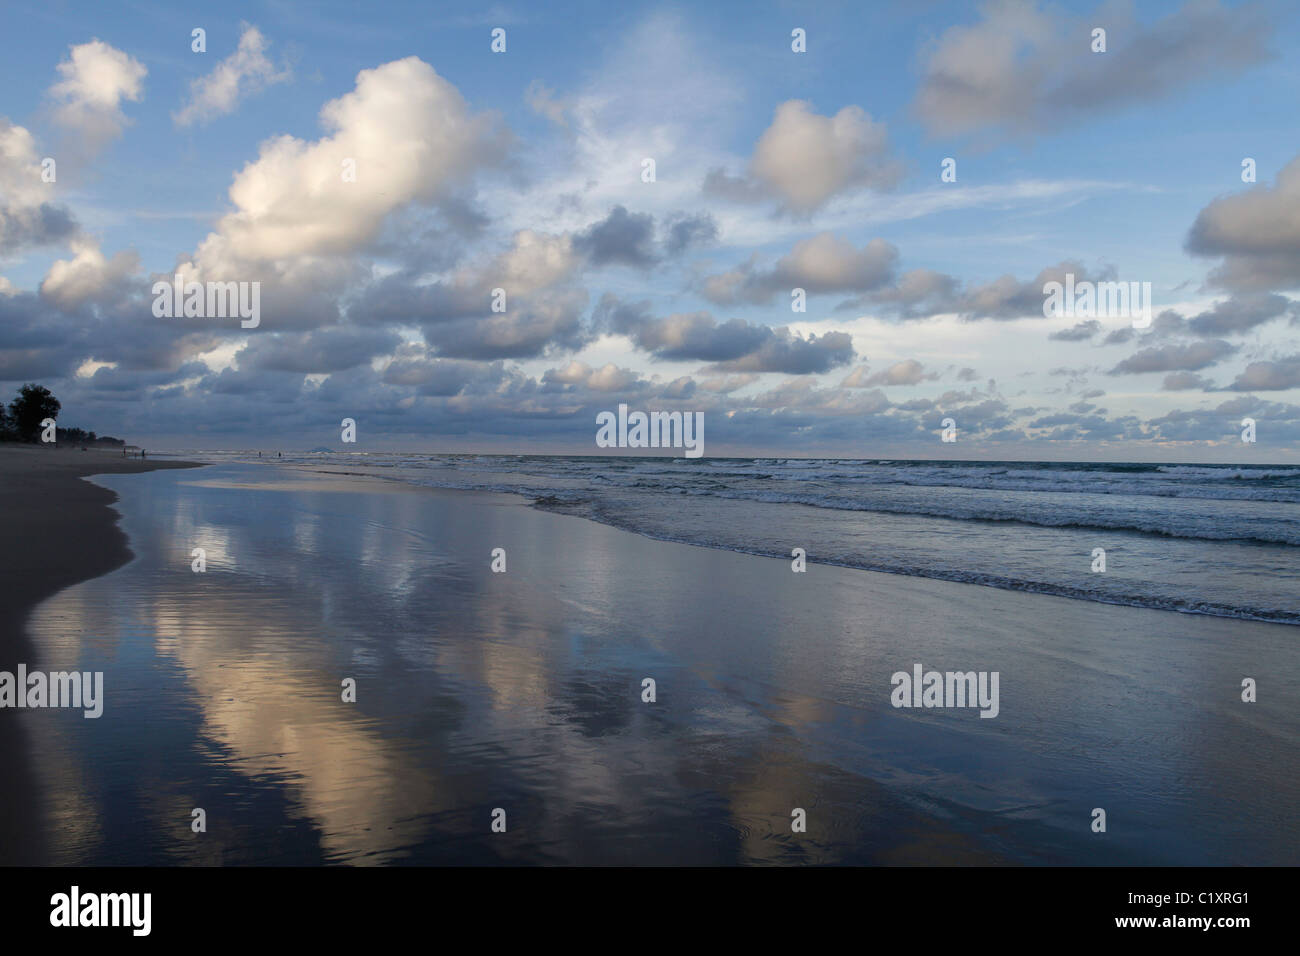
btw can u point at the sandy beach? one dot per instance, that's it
(524, 690)
(55, 530)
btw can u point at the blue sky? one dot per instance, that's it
(774, 170)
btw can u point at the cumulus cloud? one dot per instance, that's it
(535, 260)
(88, 276)
(456, 319)
(1026, 70)
(543, 313)
(1256, 233)
(802, 160)
(27, 216)
(630, 239)
(243, 73)
(732, 346)
(794, 354)
(1183, 381)
(1079, 332)
(1239, 314)
(1066, 426)
(52, 333)
(685, 231)
(857, 378)
(391, 276)
(821, 264)
(1175, 358)
(1167, 323)
(36, 340)
(412, 139)
(918, 293)
(802, 396)
(413, 365)
(539, 326)
(690, 336)
(1276, 375)
(607, 378)
(622, 238)
(20, 168)
(1008, 298)
(318, 351)
(907, 372)
(96, 78)
(922, 293)
(1222, 422)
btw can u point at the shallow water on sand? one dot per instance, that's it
(523, 691)
(1222, 540)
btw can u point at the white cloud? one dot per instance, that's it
(534, 261)
(89, 367)
(541, 100)
(608, 378)
(27, 215)
(412, 139)
(907, 372)
(821, 263)
(656, 94)
(1028, 70)
(805, 159)
(88, 276)
(241, 74)
(752, 225)
(20, 169)
(96, 79)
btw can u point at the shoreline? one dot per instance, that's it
(996, 584)
(57, 531)
(809, 716)
(545, 502)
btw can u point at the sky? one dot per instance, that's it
(468, 249)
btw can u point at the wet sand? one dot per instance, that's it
(523, 690)
(55, 530)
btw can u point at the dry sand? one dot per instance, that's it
(55, 530)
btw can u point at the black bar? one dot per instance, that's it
(328, 905)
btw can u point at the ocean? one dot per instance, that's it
(522, 688)
(1222, 540)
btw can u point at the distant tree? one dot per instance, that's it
(5, 433)
(33, 405)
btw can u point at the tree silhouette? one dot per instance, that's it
(33, 405)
